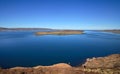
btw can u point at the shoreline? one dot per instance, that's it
(111, 31)
(57, 31)
(100, 65)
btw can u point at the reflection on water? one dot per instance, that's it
(24, 48)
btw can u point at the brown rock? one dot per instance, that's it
(112, 61)
(61, 68)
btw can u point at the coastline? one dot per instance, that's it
(111, 31)
(22, 29)
(56, 31)
(113, 67)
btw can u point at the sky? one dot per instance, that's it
(60, 14)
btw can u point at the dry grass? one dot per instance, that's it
(59, 32)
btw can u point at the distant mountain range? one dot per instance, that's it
(2, 29)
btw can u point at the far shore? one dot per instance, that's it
(56, 31)
(22, 29)
(111, 31)
(64, 30)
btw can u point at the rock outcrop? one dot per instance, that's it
(101, 65)
(60, 65)
(61, 68)
(112, 61)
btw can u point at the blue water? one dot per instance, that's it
(24, 48)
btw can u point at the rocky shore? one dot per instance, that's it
(61, 32)
(101, 65)
(111, 61)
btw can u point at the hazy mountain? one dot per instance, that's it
(2, 28)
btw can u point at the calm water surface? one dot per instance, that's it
(23, 48)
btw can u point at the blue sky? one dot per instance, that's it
(60, 14)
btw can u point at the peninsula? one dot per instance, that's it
(60, 32)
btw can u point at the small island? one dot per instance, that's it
(60, 32)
